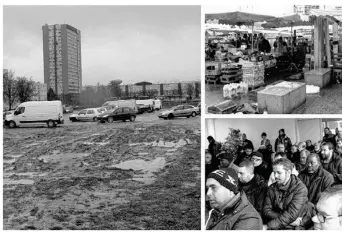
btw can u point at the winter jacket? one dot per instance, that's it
(310, 148)
(256, 192)
(263, 170)
(294, 157)
(300, 167)
(214, 149)
(329, 138)
(239, 215)
(209, 168)
(264, 46)
(241, 157)
(283, 140)
(316, 184)
(283, 205)
(335, 168)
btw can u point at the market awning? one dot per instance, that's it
(238, 18)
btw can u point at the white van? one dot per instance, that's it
(49, 112)
(155, 104)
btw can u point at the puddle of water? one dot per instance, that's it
(148, 167)
(16, 182)
(64, 159)
(143, 153)
(9, 161)
(91, 143)
(162, 143)
(189, 185)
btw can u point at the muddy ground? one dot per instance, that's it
(141, 175)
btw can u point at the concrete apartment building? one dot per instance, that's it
(40, 93)
(62, 60)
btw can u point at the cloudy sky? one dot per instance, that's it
(278, 10)
(131, 43)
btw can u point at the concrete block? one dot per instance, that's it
(320, 77)
(282, 98)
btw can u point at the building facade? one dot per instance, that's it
(40, 93)
(62, 60)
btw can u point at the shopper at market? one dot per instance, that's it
(301, 164)
(329, 210)
(329, 136)
(332, 162)
(231, 208)
(260, 167)
(252, 184)
(264, 45)
(226, 161)
(309, 146)
(283, 139)
(286, 202)
(214, 148)
(315, 178)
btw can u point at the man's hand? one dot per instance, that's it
(296, 222)
(264, 227)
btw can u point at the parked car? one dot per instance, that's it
(7, 113)
(179, 111)
(49, 112)
(102, 109)
(67, 109)
(119, 113)
(90, 114)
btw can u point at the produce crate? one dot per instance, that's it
(253, 75)
(226, 107)
(213, 68)
(212, 79)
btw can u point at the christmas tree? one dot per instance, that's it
(232, 142)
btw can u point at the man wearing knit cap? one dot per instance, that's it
(283, 139)
(231, 208)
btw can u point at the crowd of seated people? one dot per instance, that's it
(285, 188)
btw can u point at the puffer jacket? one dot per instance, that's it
(241, 215)
(321, 180)
(335, 168)
(256, 192)
(284, 205)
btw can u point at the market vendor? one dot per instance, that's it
(264, 45)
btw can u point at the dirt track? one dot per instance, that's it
(141, 175)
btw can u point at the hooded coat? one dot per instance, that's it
(239, 215)
(317, 183)
(284, 140)
(283, 205)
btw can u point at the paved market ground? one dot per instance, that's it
(88, 175)
(329, 101)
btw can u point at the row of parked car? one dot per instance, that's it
(51, 113)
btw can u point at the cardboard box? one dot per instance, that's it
(320, 77)
(282, 98)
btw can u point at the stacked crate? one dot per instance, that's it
(212, 72)
(253, 74)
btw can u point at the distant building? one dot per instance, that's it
(62, 60)
(305, 9)
(40, 92)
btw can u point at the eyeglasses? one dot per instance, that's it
(323, 218)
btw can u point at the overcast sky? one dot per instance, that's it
(131, 43)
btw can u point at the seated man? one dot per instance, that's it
(301, 165)
(329, 210)
(231, 208)
(339, 147)
(280, 155)
(245, 155)
(309, 146)
(332, 162)
(226, 161)
(252, 184)
(260, 167)
(286, 202)
(294, 154)
(315, 178)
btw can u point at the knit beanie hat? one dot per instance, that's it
(227, 177)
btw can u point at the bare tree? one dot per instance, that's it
(10, 91)
(115, 88)
(25, 88)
